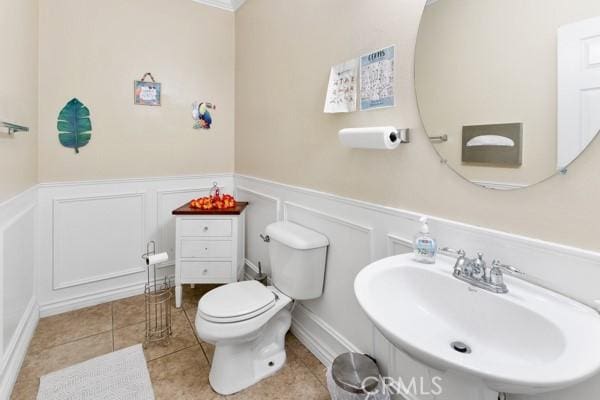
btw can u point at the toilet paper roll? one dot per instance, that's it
(157, 259)
(379, 138)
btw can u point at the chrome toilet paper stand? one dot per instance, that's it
(158, 299)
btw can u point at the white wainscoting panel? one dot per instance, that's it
(167, 201)
(52, 217)
(92, 235)
(17, 270)
(398, 245)
(97, 238)
(350, 249)
(262, 211)
(18, 306)
(360, 232)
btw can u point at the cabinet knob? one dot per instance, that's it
(206, 229)
(205, 271)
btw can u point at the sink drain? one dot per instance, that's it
(461, 347)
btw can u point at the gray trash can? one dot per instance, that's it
(354, 376)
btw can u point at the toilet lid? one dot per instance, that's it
(236, 302)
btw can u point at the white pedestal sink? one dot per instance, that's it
(528, 341)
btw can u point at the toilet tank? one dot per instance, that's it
(298, 257)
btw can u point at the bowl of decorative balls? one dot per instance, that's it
(214, 202)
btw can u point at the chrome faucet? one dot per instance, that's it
(476, 272)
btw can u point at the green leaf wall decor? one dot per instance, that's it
(74, 125)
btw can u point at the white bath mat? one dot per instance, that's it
(121, 375)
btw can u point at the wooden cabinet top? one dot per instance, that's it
(187, 210)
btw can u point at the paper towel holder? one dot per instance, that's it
(403, 135)
(375, 138)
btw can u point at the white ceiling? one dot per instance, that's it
(229, 5)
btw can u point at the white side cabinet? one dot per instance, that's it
(210, 246)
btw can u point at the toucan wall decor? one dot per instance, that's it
(201, 114)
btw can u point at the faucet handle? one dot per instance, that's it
(480, 270)
(460, 253)
(507, 268)
(462, 266)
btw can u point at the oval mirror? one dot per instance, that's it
(509, 90)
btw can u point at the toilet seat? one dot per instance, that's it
(236, 302)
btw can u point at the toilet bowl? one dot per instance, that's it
(247, 322)
(249, 340)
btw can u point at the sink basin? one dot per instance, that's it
(528, 341)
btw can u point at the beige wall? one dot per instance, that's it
(284, 52)
(488, 62)
(94, 50)
(18, 94)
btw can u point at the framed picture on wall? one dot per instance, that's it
(147, 93)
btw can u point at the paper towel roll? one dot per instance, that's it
(379, 138)
(157, 259)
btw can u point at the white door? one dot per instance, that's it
(578, 88)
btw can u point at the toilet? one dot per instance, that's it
(247, 322)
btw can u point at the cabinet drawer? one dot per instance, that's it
(198, 270)
(206, 249)
(206, 227)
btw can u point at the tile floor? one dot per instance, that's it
(178, 371)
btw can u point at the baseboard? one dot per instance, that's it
(94, 299)
(318, 336)
(311, 343)
(251, 271)
(17, 349)
(251, 266)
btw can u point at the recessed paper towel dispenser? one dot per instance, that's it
(376, 138)
(493, 145)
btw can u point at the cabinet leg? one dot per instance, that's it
(178, 296)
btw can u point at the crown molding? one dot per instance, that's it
(430, 2)
(229, 5)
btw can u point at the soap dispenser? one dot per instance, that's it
(425, 246)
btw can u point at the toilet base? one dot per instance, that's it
(237, 365)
